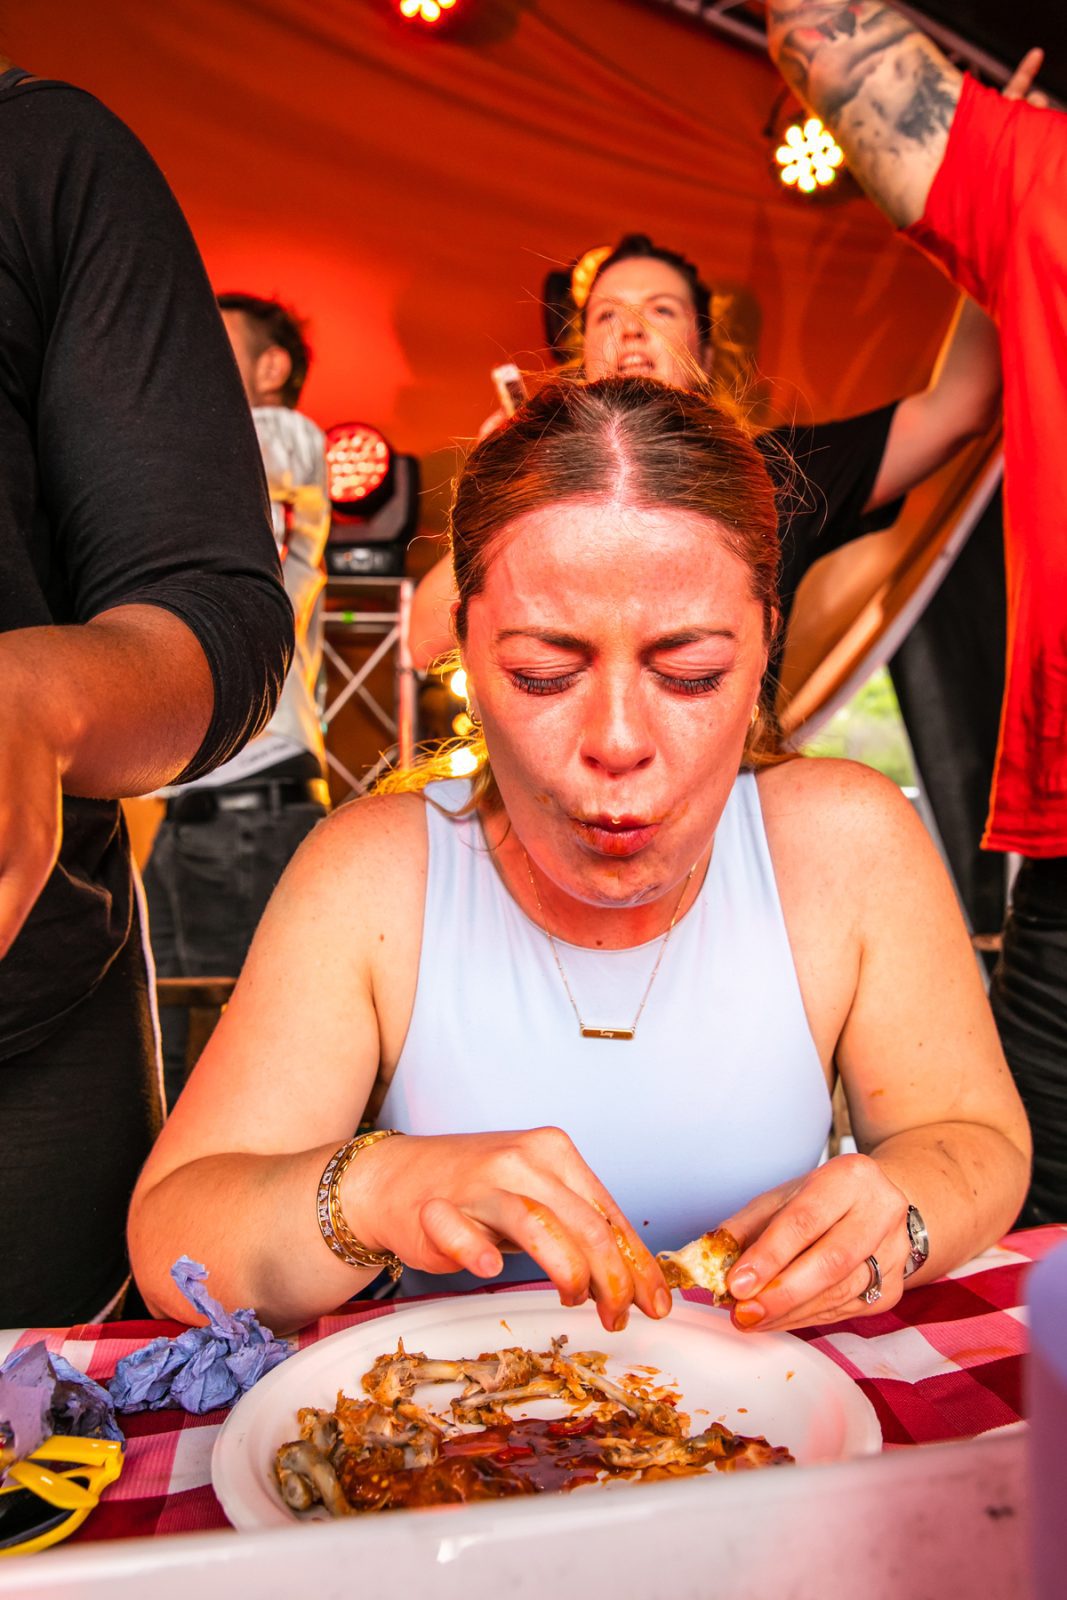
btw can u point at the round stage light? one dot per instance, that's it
(457, 684)
(358, 459)
(425, 10)
(809, 157)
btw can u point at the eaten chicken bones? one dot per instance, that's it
(387, 1451)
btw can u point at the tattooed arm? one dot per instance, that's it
(882, 86)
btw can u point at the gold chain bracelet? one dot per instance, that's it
(335, 1230)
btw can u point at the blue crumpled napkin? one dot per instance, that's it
(203, 1368)
(41, 1394)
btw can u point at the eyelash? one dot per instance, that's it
(658, 311)
(707, 684)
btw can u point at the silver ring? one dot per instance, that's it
(873, 1290)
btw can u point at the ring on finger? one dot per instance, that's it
(873, 1291)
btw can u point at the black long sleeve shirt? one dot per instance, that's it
(129, 473)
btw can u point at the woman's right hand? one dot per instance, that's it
(455, 1201)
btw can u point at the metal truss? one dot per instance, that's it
(744, 20)
(393, 627)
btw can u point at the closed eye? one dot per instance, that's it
(552, 685)
(706, 683)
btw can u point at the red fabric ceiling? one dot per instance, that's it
(406, 190)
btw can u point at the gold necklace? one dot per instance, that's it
(583, 1028)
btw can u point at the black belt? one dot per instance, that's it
(203, 805)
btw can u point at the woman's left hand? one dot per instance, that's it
(806, 1245)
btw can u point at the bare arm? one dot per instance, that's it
(937, 1119)
(431, 616)
(113, 707)
(232, 1180)
(960, 403)
(432, 634)
(884, 88)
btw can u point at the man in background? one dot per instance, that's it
(226, 839)
(979, 181)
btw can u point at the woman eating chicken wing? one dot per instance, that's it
(595, 997)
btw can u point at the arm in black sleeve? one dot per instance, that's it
(148, 456)
(824, 475)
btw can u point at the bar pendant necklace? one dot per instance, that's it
(584, 1029)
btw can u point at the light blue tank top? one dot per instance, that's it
(720, 1095)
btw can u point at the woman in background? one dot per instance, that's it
(647, 313)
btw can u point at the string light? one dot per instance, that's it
(810, 156)
(425, 10)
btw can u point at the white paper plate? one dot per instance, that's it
(767, 1383)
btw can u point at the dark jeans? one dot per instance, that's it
(208, 884)
(1029, 999)
(79, 1113)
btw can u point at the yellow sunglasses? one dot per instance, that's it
(50, 1492)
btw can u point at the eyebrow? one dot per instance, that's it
(656, 294)
(571, 641)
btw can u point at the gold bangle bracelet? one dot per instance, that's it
(332, 1225)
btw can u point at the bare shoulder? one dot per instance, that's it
(838, 812)
(375, 823)
(367, 849)
(832, 789)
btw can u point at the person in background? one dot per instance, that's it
(144, 637)
(648, 313)
(226, 838)
(978, 181)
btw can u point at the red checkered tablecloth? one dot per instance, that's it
(945, 1363)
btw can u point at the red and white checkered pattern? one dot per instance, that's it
(945, 1363)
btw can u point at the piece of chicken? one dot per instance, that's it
(397, 1376)
(703, 1264)
(717, 1446)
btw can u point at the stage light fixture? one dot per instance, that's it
(358, 459)
(425, 10)
(810, 156)
(374, 492)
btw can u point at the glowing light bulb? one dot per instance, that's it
(462, 762)
(583, 273)
(457, 684)
(425, 10)
(809, 156)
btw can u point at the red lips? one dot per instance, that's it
(615, 836)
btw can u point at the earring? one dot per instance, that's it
(754, 718)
